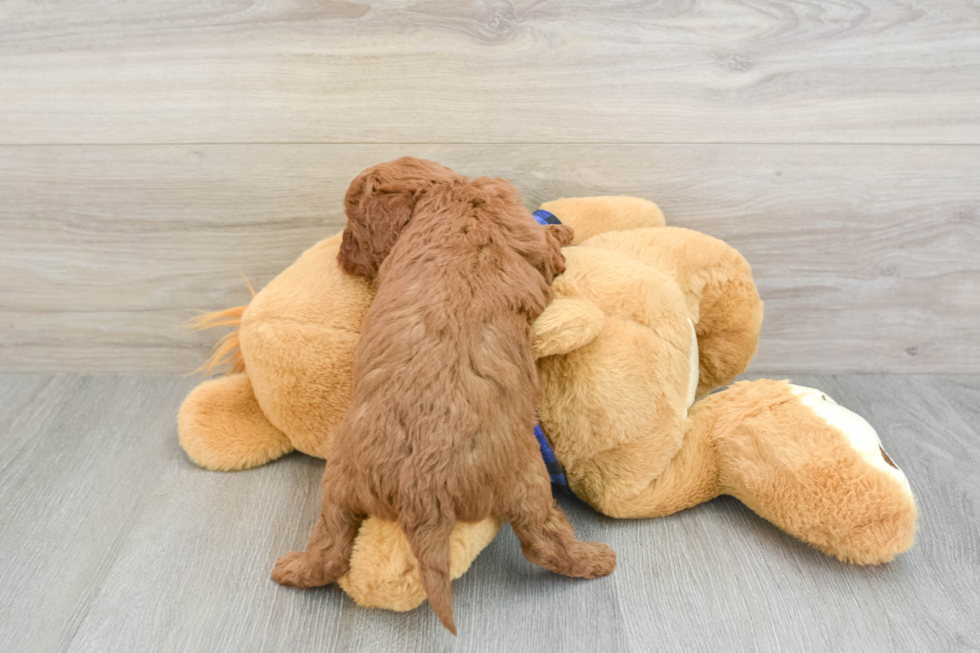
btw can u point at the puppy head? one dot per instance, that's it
(379, 203)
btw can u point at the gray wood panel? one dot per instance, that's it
(97, 71)
(868, 257)
(79, 459)
(114, 541)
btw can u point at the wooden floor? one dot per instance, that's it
(113, 541)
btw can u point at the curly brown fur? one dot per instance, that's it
(440, 425)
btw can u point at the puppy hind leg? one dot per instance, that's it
(548, 540)
(429, 539)
(327, 555)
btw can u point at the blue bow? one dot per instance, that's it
(544, 217)
(555, 471)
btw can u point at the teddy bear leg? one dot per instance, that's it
(648, 484)
(814, 469)
(222, 428)
(728, 326)
(728, 311)
(384, 572)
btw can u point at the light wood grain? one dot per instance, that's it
(868, 257)
(79, 458)
(172, 71)
(114, 541)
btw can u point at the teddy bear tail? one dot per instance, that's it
(228, 350)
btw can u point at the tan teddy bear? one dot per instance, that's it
(647, 320)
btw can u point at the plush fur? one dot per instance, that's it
(634, 446)
(612, 346)
(445, 386)
(591, 216)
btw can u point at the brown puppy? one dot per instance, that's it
(440, 425)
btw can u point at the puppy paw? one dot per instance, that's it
(562, 233)
(593, 559)
(557, 235)
(294, 570)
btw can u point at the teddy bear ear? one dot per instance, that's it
(567, 324)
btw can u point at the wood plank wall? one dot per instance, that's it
(149, 151)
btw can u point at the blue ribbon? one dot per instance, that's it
(555, 471)
(544, 217)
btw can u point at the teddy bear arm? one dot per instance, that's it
(595, 215)
(221, 426)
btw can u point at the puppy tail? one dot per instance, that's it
(429, 540)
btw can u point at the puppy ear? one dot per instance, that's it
(373, 227)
